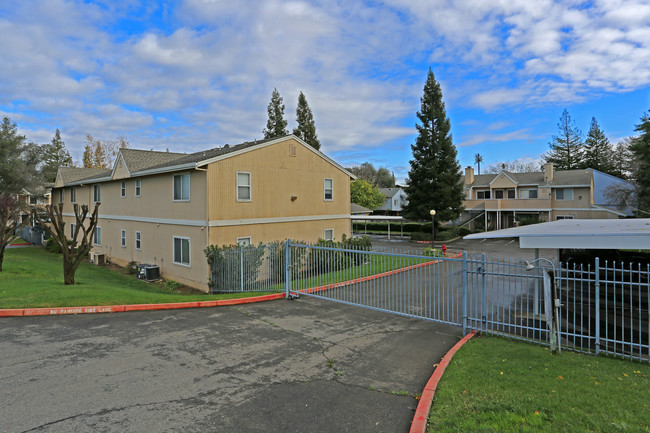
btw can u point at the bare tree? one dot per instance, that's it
(9, 222)
(624, 195)
(76, 249)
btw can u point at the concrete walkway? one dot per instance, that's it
(279, 366)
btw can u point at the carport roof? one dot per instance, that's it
(582, 234)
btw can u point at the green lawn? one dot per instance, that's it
(33, 277)
(498, 385)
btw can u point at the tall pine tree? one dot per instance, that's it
(567, 149)
(55, 155)
(434, 178)
(641, 149)
(306, 129)
(598, 150)
(276, 126)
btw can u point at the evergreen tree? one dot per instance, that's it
(641, 149)
(18, 160)
(306, 129)
(380, 178)
(434, 178)
(276, 126)
(55, 155)
(623, 163)
(598, 150)
(567, 149)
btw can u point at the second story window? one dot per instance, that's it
(138, 187)
(182, 187)
(73, 195)
(498, 194)
(329, 189)
(123, 189)
(97, 193)
(483, 195)
(511, 193)
(527, 193)
(243, 186)
(61, 195)
(564, 194)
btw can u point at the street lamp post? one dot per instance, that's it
(432, 212)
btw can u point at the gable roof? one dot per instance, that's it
(389, 192)
(560, 178)
(144, 162)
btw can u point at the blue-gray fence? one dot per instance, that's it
(597, 308)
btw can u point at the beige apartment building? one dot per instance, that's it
(504, 200)
(165, 208)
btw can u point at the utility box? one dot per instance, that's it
(148, 272)
(98, 258)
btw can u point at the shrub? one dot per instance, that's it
(226, 266)
(52, 246)
(432, 252)
(172, 285)
(463, 231)
(278, 260)
(416, 236)
(131, 268)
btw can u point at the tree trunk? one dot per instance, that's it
(2, 257)
(69, 269)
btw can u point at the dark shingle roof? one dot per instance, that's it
(138, 160)
(75, 174)
(560, 177)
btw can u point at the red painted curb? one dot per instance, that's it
(135, 307)
(419, 424)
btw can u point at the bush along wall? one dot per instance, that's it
(226, 266)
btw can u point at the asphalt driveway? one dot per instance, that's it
(282, 366)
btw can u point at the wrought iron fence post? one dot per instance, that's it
(287, 270)
(597, 287)
(483, 301)
(464, 292)
(241, 268)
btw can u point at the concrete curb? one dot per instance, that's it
(134, 307)
(54, 311)
(419, 424)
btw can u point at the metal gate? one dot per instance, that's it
(593, 309)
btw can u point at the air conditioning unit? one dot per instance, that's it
(148, 272)
(98, 258)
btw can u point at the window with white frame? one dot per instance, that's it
(245, 241)
(97, 193)
(564, 194)
(73, 195)
(72, 227)
(244, 186)
(123, 238)
(182, 187)
(483, 195)
(182, 251)
(328, 187)
(123, 189)
(328, 235)
(97, 237)
(61, 195)
(527, 193)
(138, 240)
(138, 187)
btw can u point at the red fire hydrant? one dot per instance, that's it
(444, 250)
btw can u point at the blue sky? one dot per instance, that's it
(189, 75)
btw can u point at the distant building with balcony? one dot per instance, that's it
(503, 200)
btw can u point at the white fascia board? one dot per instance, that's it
(270, 143)
(568, 186)
(187, 166)
(607, 241)
(178, 222)
(88, 181)
(275, 220)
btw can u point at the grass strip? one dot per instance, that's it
(498, 385)
(33, 277)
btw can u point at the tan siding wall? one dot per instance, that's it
(581, 199)
(275, 177)
(120, 170)
(502, 182)
(308, 231)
